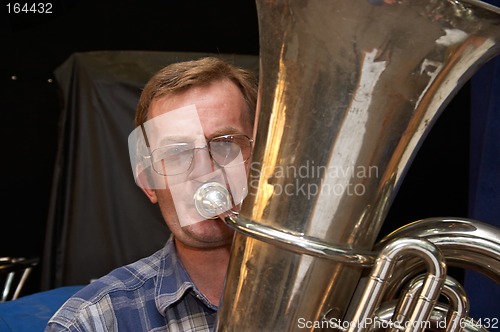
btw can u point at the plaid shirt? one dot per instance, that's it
(152, 294)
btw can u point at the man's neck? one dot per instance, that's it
(206, 267)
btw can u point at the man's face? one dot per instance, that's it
(220, 110)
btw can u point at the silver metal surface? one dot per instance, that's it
(348, 90)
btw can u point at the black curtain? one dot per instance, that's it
(98, 218)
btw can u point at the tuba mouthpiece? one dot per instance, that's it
(212, 199)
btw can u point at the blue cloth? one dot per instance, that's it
(483, 293)
(31, 313)
(484, 204)
(154, 293)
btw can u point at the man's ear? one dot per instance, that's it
(151, 193)
(144, 181)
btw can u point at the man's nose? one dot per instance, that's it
(202, 163)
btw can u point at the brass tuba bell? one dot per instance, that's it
(348, 90)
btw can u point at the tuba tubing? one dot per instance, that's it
(382, 272)
(457, 310)
(460, 242)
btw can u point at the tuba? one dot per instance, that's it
(348, 91)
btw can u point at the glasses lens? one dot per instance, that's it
(230, 149)
(172, 159)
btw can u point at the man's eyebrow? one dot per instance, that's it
(175, 139)
(225, 131)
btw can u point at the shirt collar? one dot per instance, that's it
(173, 280)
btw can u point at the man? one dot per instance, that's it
(190, 154)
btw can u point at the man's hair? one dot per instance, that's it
(179, 77)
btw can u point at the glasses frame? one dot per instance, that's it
(207, 146)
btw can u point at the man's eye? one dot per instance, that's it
(177, 150)
(171, 151)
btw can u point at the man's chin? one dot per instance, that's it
(209, 233)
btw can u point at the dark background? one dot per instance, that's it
(34, 45)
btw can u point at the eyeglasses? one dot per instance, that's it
(177, 158)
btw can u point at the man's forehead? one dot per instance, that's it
(182, 122)
(212, 100)
(181, 116)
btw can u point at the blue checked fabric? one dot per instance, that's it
(152, 294)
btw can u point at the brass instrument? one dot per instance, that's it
(348, 90)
